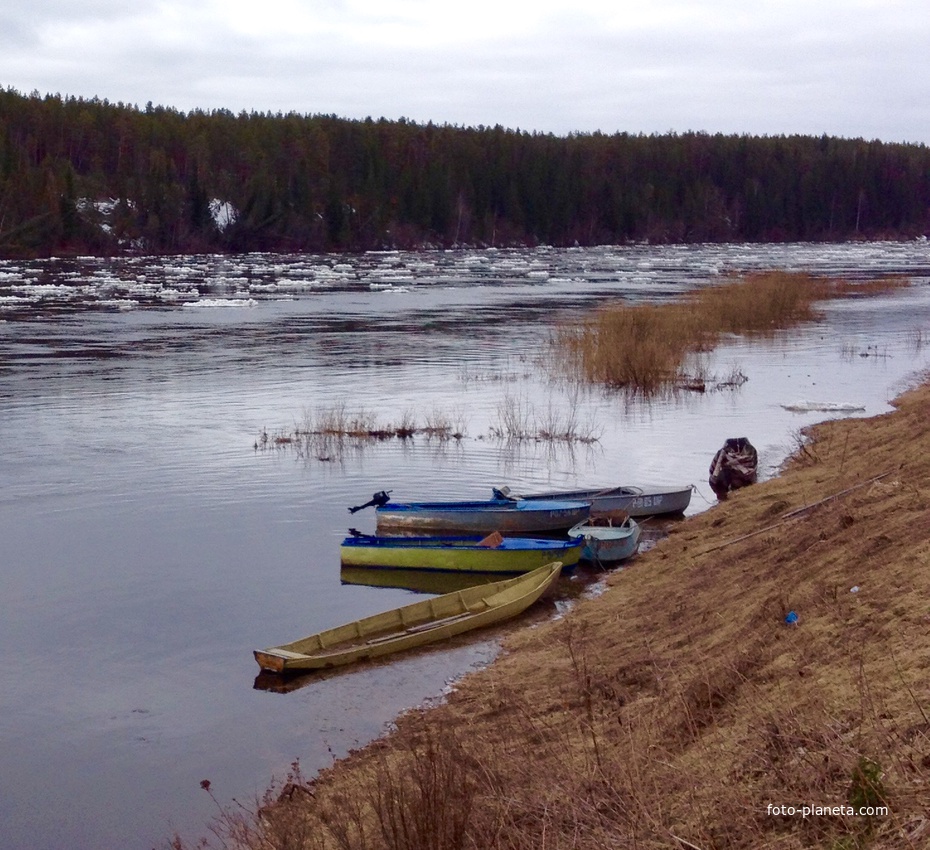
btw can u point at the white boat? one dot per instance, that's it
(606, 543)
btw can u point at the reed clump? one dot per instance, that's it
(519, 420)
(641, 347)
(329, 432)
(645, 348)
(760, 303)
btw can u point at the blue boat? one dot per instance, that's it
(510, 517)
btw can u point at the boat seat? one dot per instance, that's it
(435, 624)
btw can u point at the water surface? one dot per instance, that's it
(147, 546)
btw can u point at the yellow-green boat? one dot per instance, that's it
(413, 625)
(470, 554)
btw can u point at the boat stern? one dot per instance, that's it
(276, 660)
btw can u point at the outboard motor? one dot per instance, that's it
(379, 499)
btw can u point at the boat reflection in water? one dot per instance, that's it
(419, 581)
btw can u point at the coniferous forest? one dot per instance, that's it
(94, 177)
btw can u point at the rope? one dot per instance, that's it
(796, 513)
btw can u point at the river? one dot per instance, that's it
(149, 541)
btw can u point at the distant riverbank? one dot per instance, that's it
(92, 177)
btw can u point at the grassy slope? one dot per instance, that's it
(673, 709)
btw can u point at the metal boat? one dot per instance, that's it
(629, 500)
(605, 543)
(507, 516)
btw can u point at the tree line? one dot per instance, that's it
(89, 176)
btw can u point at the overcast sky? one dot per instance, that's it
(851, 68)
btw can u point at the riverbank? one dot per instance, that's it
(682, 707)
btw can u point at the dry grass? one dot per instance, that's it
(674, 709)
(329, 433)
(519, 419)
(646, 348)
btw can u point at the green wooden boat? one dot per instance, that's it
(413, 625)
(468, 553)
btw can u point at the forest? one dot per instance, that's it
(87, 176)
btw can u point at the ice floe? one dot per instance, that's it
(223, 302)
(823, 407)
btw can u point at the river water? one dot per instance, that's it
(149, 541)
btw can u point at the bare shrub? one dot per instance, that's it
(424, 793)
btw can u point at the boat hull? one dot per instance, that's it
(512, 517)
(605, 544)
(411, 626)
(632, 501)
(459, 554)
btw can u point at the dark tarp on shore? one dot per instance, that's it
(734, 466)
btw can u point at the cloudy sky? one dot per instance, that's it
(852, 68)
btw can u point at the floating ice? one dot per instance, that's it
(118, 303)
(177, 294)
(822, 407)
(223, 302)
